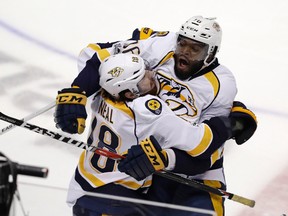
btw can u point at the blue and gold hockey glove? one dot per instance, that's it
(245, 123)
(70, 114)
(144, 159)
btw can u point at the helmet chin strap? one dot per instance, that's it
(206, 64)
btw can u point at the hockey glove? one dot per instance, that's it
(143, 160)
(70, 113)
(245, 122)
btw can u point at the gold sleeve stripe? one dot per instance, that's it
(240, 109)
(166, 58)
(95, 47)
(214, 156)
(204, 144)
(103, 54)
(121, 106)
(145, 33)
(130, 184)
(211, 77)
(87, 174)
(147, 183)
(216, 200)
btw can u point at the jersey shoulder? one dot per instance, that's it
(149, 107)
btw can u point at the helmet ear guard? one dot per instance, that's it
(204, 30)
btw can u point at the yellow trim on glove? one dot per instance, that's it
(81, 125)
(152, 154)
(241, 109)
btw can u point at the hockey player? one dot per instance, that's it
(192, 82)
(124, 114)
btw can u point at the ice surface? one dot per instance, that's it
(39, 42)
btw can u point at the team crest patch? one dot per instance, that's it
(154, 106)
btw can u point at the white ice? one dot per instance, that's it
(254, 47)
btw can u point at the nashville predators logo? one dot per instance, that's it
(154, 106)
(116, 72)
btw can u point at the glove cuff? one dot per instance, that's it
(170, 158)
(242, 110)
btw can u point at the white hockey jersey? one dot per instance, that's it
(117, 126)
(195, 100)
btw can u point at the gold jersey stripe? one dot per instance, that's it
(103, 54)
(216, 200)
(166, 58)
(95, 47)
(121, 106)
(215, 156)
(147, 183)
(87, 174)
(211, 77)
(130, 184)
(204, 144)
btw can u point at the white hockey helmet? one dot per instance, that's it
(205, 30)
(121, 72)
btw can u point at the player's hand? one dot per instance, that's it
(143, 160)
(245, 122)
(70, 114)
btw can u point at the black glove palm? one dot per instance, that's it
(70, 113)
(245, 122)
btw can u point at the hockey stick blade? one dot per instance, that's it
(59, 137)
(115, 156)
(29, 117)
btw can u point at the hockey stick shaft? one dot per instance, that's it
(59, 137)
(29, 117)
(201, 186)
(116, 156)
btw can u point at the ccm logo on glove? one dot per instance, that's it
(152, 154)
(71, 99)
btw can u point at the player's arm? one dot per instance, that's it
(148, 157)
(240, 126)
(68, 115)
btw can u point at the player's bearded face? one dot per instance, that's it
(148, 83)
(189, 57)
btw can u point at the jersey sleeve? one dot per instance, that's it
(145, 43)
(89, 61)
(153, 117)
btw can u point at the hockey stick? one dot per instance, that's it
(29, 117)
(115, 156)
(60, 137)
(201, 186)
